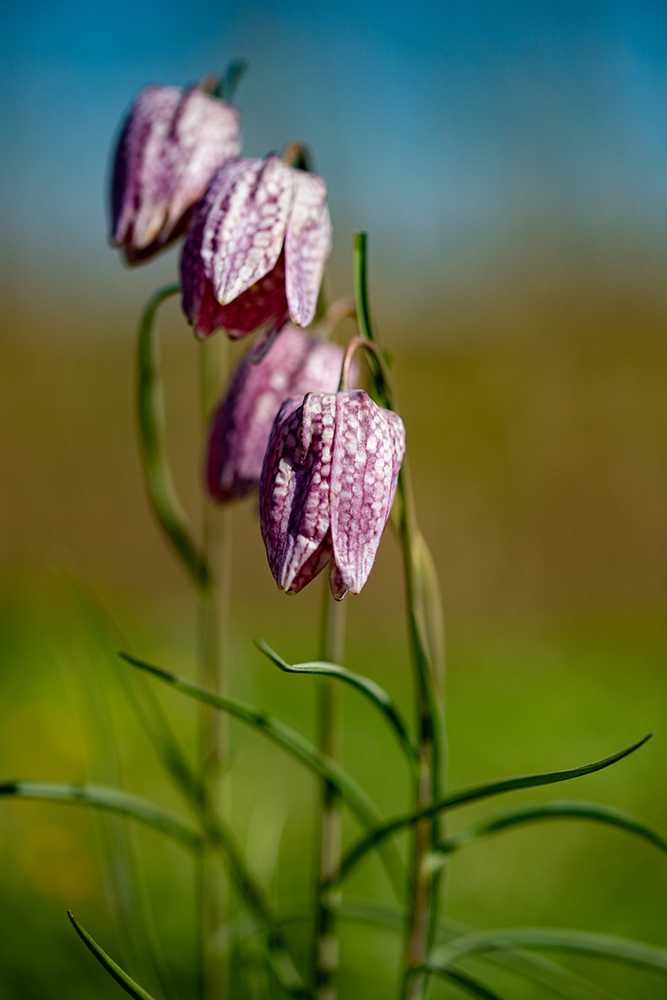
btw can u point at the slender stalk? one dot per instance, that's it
(425, 632)
(327, 898)
(213, 673)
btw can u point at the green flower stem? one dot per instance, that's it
(159, 482)
(213, 674)
(327, 894)
(424, 626)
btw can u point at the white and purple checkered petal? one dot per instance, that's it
(361, 494)
(307, 245)
(206, 133)
(140, 189)
(294, 491)
(264, 301)
(244, 236)
(242, 424)
(199, 302)
(397, 436)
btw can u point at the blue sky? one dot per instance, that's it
(440, 127)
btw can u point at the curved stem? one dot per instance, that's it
(327, 898)
(421, 612)
(159, 481)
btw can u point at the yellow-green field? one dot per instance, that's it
(539, 455)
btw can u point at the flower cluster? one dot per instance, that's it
(257, 240)
(260, 234)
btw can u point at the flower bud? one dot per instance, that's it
(327, 486)
(256, 249)
(171, 144)
(293, 365)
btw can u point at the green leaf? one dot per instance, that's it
(231, 79)
(465, 983)
(608, 946)
(289, 739)
(553, 810)
(474, 794)
(535, 968)
(113, 799)
(376, 694)
(114, 970)
(159, 481)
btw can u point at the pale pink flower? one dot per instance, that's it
(327, 486)
(256, 248)
(294, 364)
(172, 143)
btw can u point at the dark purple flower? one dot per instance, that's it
(256, 249)
(293, 365)
(172, 143)
(328, 483)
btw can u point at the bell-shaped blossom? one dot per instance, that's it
(294, 364)
(328, 483)
(256, 248)
(172, 143)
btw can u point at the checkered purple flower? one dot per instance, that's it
(294, 364)
(256, 249)
(172, 143)
(327, 487)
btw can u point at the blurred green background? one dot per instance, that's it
(510, 165)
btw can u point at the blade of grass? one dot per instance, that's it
(107, 963)
(171, 755)
(553, 938)
(375, 694)
(535, 968)
(474, 794)
(113, 799)
(521, 815)
(289, 739)
(465, 982)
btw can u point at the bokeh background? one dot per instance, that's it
(509, 161)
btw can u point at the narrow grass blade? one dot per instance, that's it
(107, 963)
(289, 739)
(535, 968)
(376, 694)
(608, 946)
(553, 810)
(113, 799)
(474, 794)
(159, 481)
(465, 983)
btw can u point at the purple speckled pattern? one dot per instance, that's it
(328, 483)
(256, 248)
(172, 143)
(294, 364)
(307, 245)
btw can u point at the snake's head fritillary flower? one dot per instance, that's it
(171, 144)
(256, 249)
(328, 483)
(294, 364)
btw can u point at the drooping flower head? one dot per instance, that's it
(171, 144)
(328, 483)
(256, 248)
(294, 364)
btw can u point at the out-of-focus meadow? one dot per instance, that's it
(530, 364)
